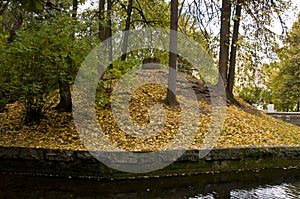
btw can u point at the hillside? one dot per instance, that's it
(244, 125)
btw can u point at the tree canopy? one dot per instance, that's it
(44, 42)
(285, 74)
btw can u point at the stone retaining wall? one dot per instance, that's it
(51, 162)
(289, 117)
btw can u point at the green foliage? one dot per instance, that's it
(50, 45)
(258, 39)
(42, 53)
(103, 95)
(122, 67)
(39, 5)
(151, 13)
(32, 5)
(256, 95)
(285, 75)
(102, 99)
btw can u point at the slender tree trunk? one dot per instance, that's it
(105, 31)
(171, 94)
(126, 34)
(75, 9)
(102, 32)
(224, 40)
(109, 33)
(65, 104)
(233, 52)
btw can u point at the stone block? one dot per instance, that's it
(223, 154)
(85, 156)
(21, 153)
(59, 155)
(190, 155)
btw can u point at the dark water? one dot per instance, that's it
(265, 184)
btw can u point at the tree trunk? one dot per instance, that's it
(224, 40)
(33, 109)
(105, 31)
(2, 103)
(75, 9)
(171, 93)
(102, 33)
(16, 24)
(109, 33)
(65, 103)
(126, 34)
(233, 52)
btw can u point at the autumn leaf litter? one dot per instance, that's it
(57, 130)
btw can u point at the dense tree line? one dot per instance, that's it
(44, 42)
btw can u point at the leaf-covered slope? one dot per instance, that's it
(243, 126)
(57, 130)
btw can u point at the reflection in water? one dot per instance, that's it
(282, 191)
(208, 196)
(263, 184)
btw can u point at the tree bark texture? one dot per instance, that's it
(171, 93)
(233, 51)
(224, 40)
(126, 34)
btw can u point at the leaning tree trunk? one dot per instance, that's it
(233, 52)
(171, 93)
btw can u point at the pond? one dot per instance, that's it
(268, 184)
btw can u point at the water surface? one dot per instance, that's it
(263, 184)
